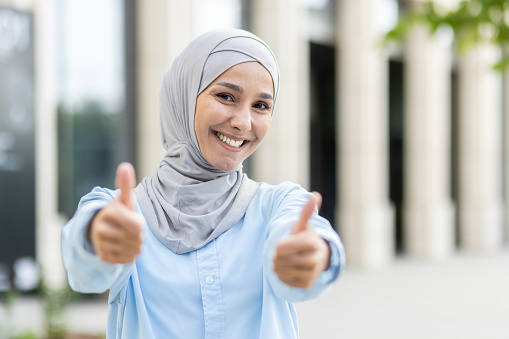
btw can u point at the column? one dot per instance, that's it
(366, 217)
(506, 96)
(284, 154)
(480, 166)
(164, 28)
(428, 212)
(48, 222)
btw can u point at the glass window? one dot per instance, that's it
(94, 116)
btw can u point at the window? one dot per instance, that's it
(96, 95)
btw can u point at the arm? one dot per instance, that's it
(103, 239)
(303, 255)
(86, 272)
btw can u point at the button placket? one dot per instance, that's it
(213, 309)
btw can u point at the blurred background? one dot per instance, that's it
(408, 144)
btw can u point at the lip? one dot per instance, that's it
(228, 147)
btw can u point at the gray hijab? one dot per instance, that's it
(187, 202)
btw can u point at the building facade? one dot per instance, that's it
(406, 143)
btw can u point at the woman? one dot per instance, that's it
(199, 250)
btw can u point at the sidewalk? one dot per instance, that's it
(84, 317)
(464, 297)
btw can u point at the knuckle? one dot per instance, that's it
(279, 246)
(107, 212)
(100, 215)
(137, 220)
(136, 250)
(100, 232)
(138, 240)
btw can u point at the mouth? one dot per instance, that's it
(229, 141)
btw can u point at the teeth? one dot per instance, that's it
(229, 141)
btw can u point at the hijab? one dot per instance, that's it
(187, 202)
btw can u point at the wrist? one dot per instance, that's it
(88, 228)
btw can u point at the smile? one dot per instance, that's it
(228, 141)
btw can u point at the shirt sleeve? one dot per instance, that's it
(285, 214)
(87, 273)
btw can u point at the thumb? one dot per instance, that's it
(125, 181)
(307, 212)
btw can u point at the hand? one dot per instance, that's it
(115, 231)
(303, 255)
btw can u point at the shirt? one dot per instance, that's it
(226, 289)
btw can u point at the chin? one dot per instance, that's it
(225, 166)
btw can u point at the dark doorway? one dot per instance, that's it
(323, 126)
(455, 149)
(396, 137)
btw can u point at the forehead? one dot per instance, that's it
(251, 74)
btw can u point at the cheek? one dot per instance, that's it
(263, 127)
(214, 114)
(201, 130)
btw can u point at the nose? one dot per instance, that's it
(241, 120)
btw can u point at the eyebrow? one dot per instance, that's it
(231, 86)
(265, 96)
(238, 89)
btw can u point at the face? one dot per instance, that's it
(233, 114)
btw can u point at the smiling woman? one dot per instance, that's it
(200, 250)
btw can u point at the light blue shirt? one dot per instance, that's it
(226, 289)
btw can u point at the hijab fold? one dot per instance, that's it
(187, 202)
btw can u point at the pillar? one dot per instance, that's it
(365, 215)
(284, 154)
(428, 212)
(48, 221)
(506, 96)
(480, 166)
(164, 28)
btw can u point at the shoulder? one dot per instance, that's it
(274, 196)
(281, 190)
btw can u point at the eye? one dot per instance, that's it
(261, 106)
(225, 97)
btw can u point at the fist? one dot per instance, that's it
(303, 255)
(115, 231)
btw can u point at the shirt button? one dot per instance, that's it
(209, 280)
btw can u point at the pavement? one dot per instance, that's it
(465, 296)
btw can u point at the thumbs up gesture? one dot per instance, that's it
(303, 255)
(115, 231)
